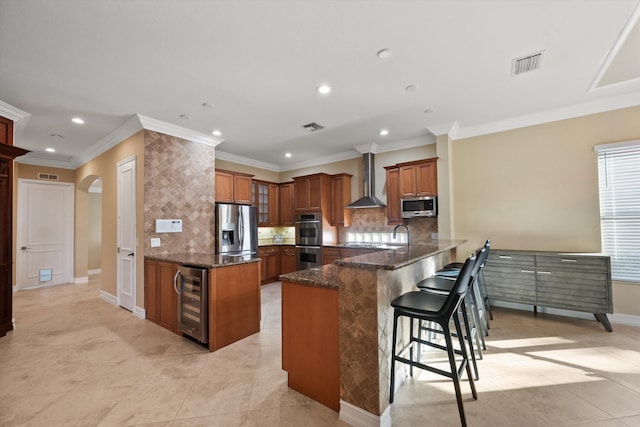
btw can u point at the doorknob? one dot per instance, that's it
(131, 254)
(24, 248)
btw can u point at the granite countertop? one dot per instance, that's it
(390, 259)
(204, 260)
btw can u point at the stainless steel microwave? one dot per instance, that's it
(425, 206)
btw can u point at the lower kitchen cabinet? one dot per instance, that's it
(579, 282)
(160, 298)
(234, 303)
(287, 259)
(270, 256)
(330, 254)
(310, 342)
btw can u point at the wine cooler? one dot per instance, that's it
(191, 284)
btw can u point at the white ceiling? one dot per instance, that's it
(259, 63)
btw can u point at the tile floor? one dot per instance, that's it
(75, 360)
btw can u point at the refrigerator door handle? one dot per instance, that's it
(175, 282)
(241, 229)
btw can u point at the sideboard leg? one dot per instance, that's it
(602, 318)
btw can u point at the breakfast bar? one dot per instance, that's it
(343, 360)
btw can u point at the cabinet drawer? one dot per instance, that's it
(501, 258)
(581, 263)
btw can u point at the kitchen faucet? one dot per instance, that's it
(395, 229)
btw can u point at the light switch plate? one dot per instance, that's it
(155, 242)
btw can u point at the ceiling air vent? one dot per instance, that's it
(48, 176)
(312, 127)
(524, 64)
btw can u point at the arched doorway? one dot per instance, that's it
(94, 228)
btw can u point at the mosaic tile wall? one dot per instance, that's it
(366, 327)
(374, 220)
(178, 184)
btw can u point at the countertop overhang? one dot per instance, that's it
(204, 260)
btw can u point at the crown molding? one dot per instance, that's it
(338, 157)
(222, 155)
(17, 116)
(177, 131)
(564, 113)
(367, 148)
(127, 129)
(36, 161)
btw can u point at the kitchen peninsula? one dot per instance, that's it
(337, 323)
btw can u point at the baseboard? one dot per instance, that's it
(625, 319)
(111, 299)
(139, 312)
(95, 271)
(358, 417)
(81, 280)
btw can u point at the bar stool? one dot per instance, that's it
(440, 309)
(473, 327)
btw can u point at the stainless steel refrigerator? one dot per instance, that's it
(236, 229)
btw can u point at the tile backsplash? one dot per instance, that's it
(271, 235)
(370, 225)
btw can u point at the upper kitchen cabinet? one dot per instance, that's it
(233, 187)
(340, 197)
(265, 199)
(286, 204)
(419, 178)
(311, 192)
(394, 211)
(6, 131)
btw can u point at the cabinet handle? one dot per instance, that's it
(504, 257)
(544, 272)
(527, 271)
(568, 260)
(175, 282)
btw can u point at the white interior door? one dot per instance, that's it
(127, 233)
(45, 233)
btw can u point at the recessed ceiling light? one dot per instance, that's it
(287, 155)
(50, 150)
(184, 117)
(411, 88)
(324, 89)
(216, 132)
(77, 120)
(56, 135)
(384, 132)
(429, 110)
(207, 105)
(384, 53)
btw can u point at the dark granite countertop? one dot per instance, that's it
(204, 260)
(390, 259)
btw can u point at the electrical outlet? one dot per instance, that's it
(155, 242)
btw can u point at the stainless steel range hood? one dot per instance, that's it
(368, 200)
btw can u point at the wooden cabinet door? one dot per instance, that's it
(286, 204)
(426, 179)
(224, 187)
(407, 180)
(242, 189)
(340, 198)
(151, 290)
(329, 255)
(315, 193)
(274, 205)
(394, 214)
(287, 259)
(270, 264)
(301, 194)
(167, 297)
(6, 131)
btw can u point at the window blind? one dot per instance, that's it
(619, 183)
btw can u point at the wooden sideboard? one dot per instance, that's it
(570, 281)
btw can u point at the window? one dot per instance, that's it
(619, 183)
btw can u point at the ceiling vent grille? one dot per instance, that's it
(524, 64)
(48, 176)
(312, 127)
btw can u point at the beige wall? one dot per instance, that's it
(536, 188)
(105, 167)
(94, 244)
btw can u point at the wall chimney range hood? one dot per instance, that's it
(368, 200)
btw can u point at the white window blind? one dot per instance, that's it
(619, 182)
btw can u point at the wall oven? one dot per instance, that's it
(308, 240)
